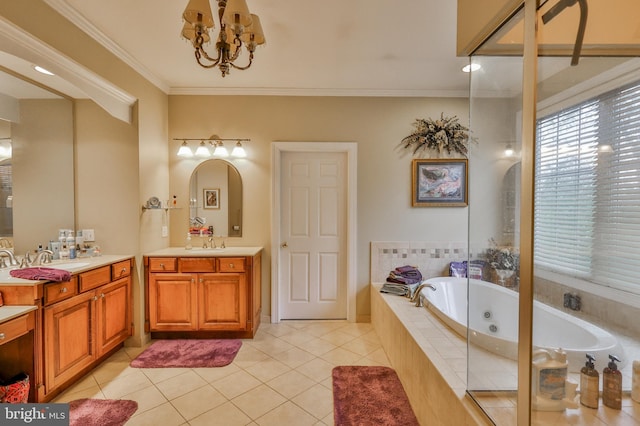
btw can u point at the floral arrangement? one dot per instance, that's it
(502, 257)
(444, 134)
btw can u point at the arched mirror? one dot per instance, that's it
(215, 198)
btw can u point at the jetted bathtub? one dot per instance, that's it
(494, 322)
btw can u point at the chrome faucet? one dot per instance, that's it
(12, 259)
(43, 257)
(416, 295)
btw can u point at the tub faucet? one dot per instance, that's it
(12, 259)
(416, 295)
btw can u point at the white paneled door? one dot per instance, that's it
(313, 283)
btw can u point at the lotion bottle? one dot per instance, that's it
(589, 383)
(612, 384)
(187, 244)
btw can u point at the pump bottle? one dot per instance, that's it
(612, 384)
(589, 383)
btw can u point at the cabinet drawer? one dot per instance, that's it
(55, 292)
(197, 264)
(120, 269)
(231, 264)
(15, 328)
(95, 278)
(163, 264)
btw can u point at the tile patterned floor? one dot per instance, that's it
(281, 377)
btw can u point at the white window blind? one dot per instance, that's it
(587, 195)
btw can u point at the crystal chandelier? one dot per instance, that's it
(238, 28)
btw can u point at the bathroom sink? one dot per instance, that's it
(68, 265)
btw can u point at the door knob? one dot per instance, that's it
(283, 245)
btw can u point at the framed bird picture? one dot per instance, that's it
(439, 183)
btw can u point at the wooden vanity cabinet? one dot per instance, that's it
(203, 296)
(81, 330)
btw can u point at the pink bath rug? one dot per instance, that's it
(370, 396)
(101, 412)
(188, 353)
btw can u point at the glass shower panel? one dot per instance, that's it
(492, 346)
(586, 234)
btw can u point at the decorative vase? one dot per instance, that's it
(504, 274)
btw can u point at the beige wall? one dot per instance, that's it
(384, 172)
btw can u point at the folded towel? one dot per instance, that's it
(39, 273)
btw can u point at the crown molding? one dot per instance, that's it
(15, 41)
(76, 18)
(280, 91)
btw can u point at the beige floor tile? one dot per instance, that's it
(164, 415)
(295, 357)
(357, 329)
(198, 401)
(236, 384)
(258, 401)
(287, 414)
(180, 385)
(267, 370)
(157, 375)
(73, 394)
(88, 382)
(317, 369)
(248, 355)
(291, 383)
(148, 398)
(213, 374)
(226, 414)
(318, 346)
(338, 338)
(361, 346)
(111, 370)
(115, 389)
(340, 356)
(328, 419)
(317, 400)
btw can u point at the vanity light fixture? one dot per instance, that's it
(216, 145)
(508, 152)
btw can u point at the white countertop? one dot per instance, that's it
(74, 266)
(200, 252)
(10, 312)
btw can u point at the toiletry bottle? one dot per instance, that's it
(71, 244)
(187, 244)
(64, 252)
(549, 371)
(612, 384)
(589, 384)
(635, 381)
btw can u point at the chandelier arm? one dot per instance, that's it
(245, 67)
(236, 53)
(199, 54)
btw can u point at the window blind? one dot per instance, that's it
(587, 194)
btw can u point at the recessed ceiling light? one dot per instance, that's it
(471, 67)
(42, 70)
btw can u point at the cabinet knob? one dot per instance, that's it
(102, 295)
(2, 336)
(284, 245)
(124, 271)
(63, 290)
(94, 298)
(162, 265)
(231, 266)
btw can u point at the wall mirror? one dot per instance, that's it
(36, 132)
(215, 198)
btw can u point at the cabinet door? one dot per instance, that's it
(173, 302)
(113, 314)
(69, 346)
(222, 301)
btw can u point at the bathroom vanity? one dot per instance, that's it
(64, 329)
(203, 293)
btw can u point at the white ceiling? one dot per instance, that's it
(329, 47)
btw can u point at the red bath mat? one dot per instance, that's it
(370, 396)
(188, 353)
(101, 412)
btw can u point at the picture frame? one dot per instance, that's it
(211, 198)
(439, 182)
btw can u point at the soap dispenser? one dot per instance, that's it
(612, 384)
(589, 383)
